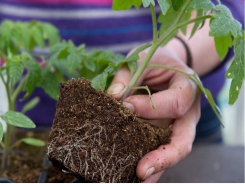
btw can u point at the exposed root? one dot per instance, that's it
(108, 170)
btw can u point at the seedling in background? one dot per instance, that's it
(15, 37)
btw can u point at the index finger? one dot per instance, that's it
(171, 103)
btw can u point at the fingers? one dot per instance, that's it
(180, 146)
(171, 103)
(153, 178)
(120, 82)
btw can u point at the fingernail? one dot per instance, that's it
(115, 88)
(149, 172)
(128, 105)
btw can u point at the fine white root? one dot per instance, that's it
(83, 159)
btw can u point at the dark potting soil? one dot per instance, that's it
(95, 138)
(26, 162)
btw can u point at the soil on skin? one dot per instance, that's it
(95, 138)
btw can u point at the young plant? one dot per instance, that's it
(176, 15)
(17, 40)
(85, 118)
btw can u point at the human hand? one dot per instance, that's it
(176, 98)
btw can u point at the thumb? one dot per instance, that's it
(119, 83)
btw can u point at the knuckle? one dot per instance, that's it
(178, 107)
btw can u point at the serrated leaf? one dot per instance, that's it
(57, 48)
(125, 5)
(18, 119)
(25, 32)
(133, 58)
(33, 141)
(51, 33)
(197, 24)
(99, 82)
(90, 64)
(16, 68)
(222, 45)
(74, 59)
(34, 75)
(201, 5)
(167, 20)
(135, 55)
(147, 3)
(224, 23)
(63, 53)
(164, 5)
(37, 36)
(50, 84)
(176, 4)
(30, 105)
(1, 131)
(236, 70)
(186, 17)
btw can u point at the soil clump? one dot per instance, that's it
(96, 138)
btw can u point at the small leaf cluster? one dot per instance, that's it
(97, 66)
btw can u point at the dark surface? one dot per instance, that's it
(208, 163)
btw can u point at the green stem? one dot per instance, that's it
(1, 144)
(193, 20)
(154, 23)
(11, 95)
(152, 50)
(16, 143)
(19, 88)
(194, 77)
(149, 93)
(168, 68)
(5, 159)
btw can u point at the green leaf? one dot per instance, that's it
(63, 53)
(236, 70)
(208, 96)
(50, 84)
(186, 17)
(147, 3)
(135, 55)
(37, 36)
(30, 105)
(33, 141)
(197, 24)
(133, 58)
(224, 23)
(201, 5)
(164, 5)
(74, 59)
(51, 33)
(222, 45)
(176, 4)
(34, 74)
(1, 131)
(166, 22)
(90, 65)
(25, 32)
(99, 82)
(18, 119)
(16, 68)
(125, 5)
